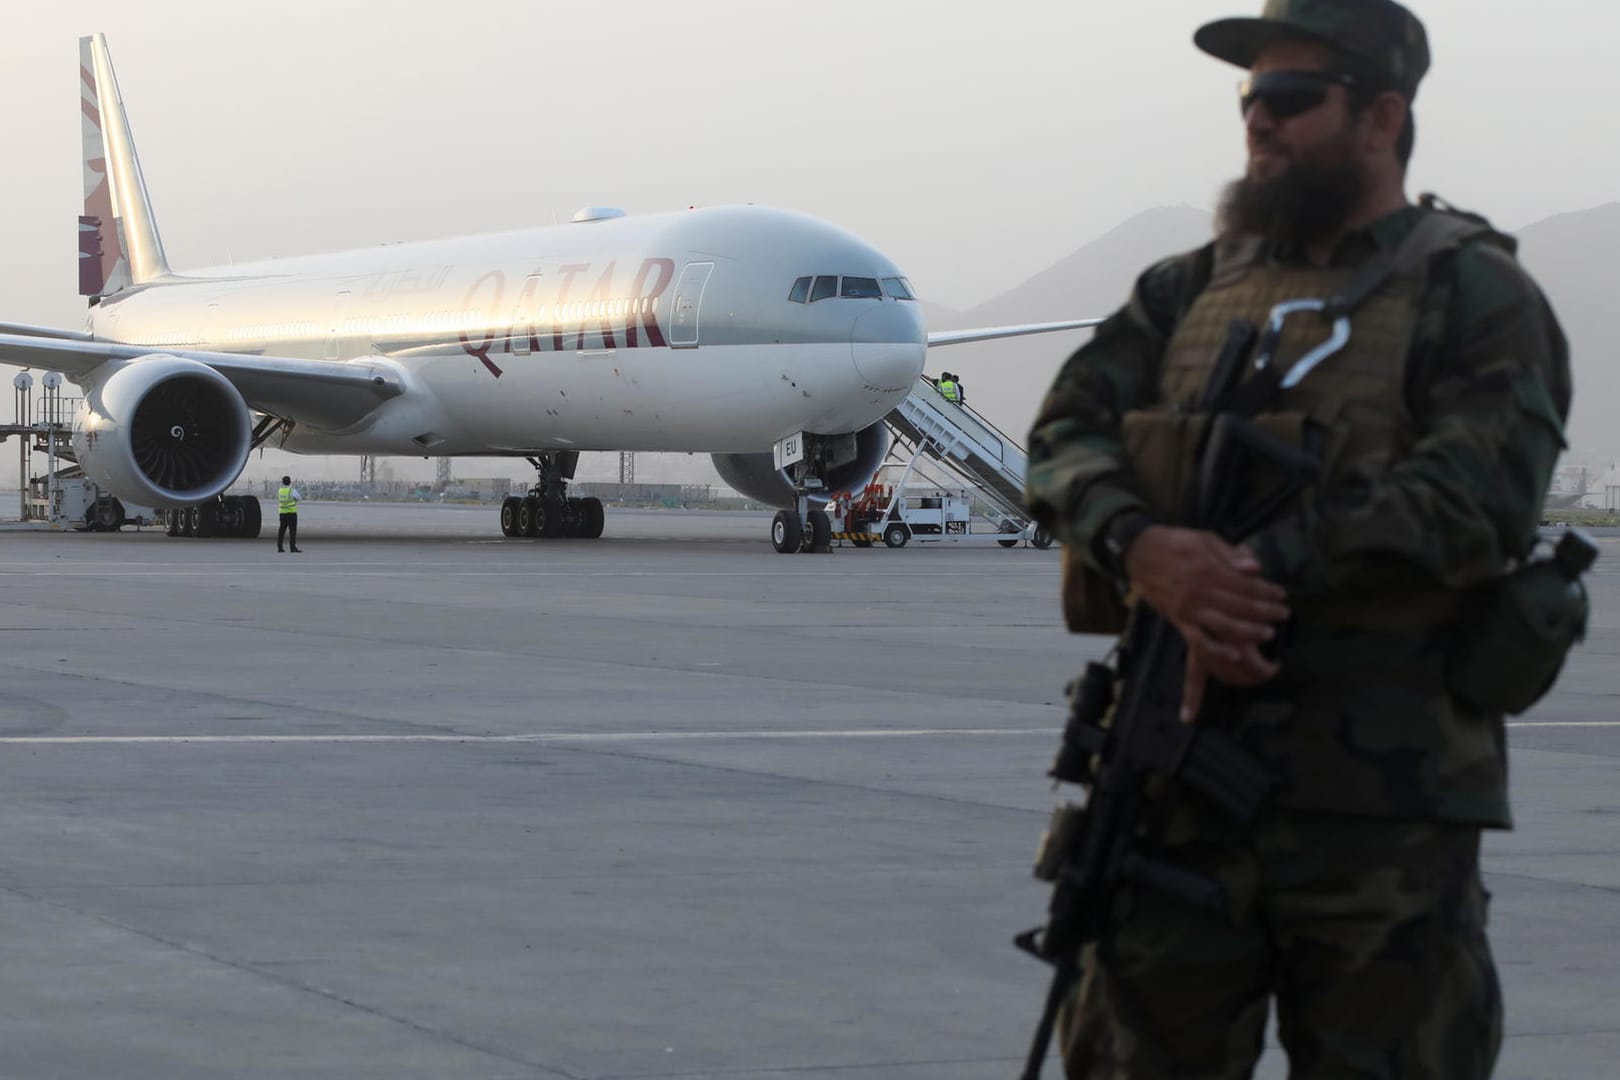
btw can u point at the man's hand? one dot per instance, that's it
(1213, 593)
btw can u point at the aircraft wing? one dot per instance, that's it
(43, 331)
(989, 333)
(326, 394)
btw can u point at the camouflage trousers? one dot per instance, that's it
(1369, 933)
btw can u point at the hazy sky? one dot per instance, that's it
(974, 143)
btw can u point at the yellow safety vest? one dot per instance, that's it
(948, 388)
(284, 497)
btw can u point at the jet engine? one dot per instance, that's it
(843, 462)
(162, 431)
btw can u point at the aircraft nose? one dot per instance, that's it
(889, 344)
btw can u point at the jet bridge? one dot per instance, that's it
(973, 448)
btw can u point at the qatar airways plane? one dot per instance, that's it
(771, 340)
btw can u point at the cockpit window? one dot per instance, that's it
(826, 286)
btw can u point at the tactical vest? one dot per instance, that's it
(285, 500)
(1364, 718)
(1355, 399)
(1352, 406)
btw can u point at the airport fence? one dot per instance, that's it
(493, 490)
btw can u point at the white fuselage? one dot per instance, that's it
(664, 332)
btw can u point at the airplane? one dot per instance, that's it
(771, 340)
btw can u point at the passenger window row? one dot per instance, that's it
(807, 290)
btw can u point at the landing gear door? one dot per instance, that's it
(683, 326)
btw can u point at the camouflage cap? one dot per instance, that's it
(1380, 34)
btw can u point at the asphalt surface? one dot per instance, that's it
(426, 803)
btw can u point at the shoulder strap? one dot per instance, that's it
(1439, 230)
(1230, 257)
(1438, 334)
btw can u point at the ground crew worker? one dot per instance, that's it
(287, 503)
(1355, 898)
(947, 386)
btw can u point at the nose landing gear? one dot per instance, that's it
(803, 529)
(810, 533)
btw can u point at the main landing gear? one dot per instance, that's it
(232, 517)
(547, 511)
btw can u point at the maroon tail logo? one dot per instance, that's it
(91, 278)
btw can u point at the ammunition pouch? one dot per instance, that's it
(1166, 446)
(1512, 636)
(1092, 603)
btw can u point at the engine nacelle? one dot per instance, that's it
(162, 431)
(757, 476)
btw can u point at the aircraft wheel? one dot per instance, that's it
(574, 522)
(206, 521)
(252, 518)
(529, 516)
(818, 537)
(551, 521)
(896, 535)
(509, 516)
(787, 531)
(171, 521)
(595, 518)
(862, 543)
(1008, 543)
(1042, 538)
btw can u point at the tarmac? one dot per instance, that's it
(423, 802)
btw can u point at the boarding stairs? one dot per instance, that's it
(44, 427)
(970, 446)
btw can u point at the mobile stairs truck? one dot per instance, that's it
(929, 427)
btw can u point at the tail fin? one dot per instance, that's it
(118, 237)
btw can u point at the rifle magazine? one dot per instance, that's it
(1234, 779)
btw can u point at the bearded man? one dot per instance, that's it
(1319, 639)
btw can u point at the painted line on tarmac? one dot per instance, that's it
(1564, 723)
(540, 737)
(607, 736)
(234, 571)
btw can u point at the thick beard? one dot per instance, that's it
(1308, 202)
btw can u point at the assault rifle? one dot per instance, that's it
(1089, 853)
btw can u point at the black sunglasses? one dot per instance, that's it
(1290, 93)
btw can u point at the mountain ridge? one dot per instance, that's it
(1006, 379)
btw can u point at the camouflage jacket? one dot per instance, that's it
(1358, 722)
